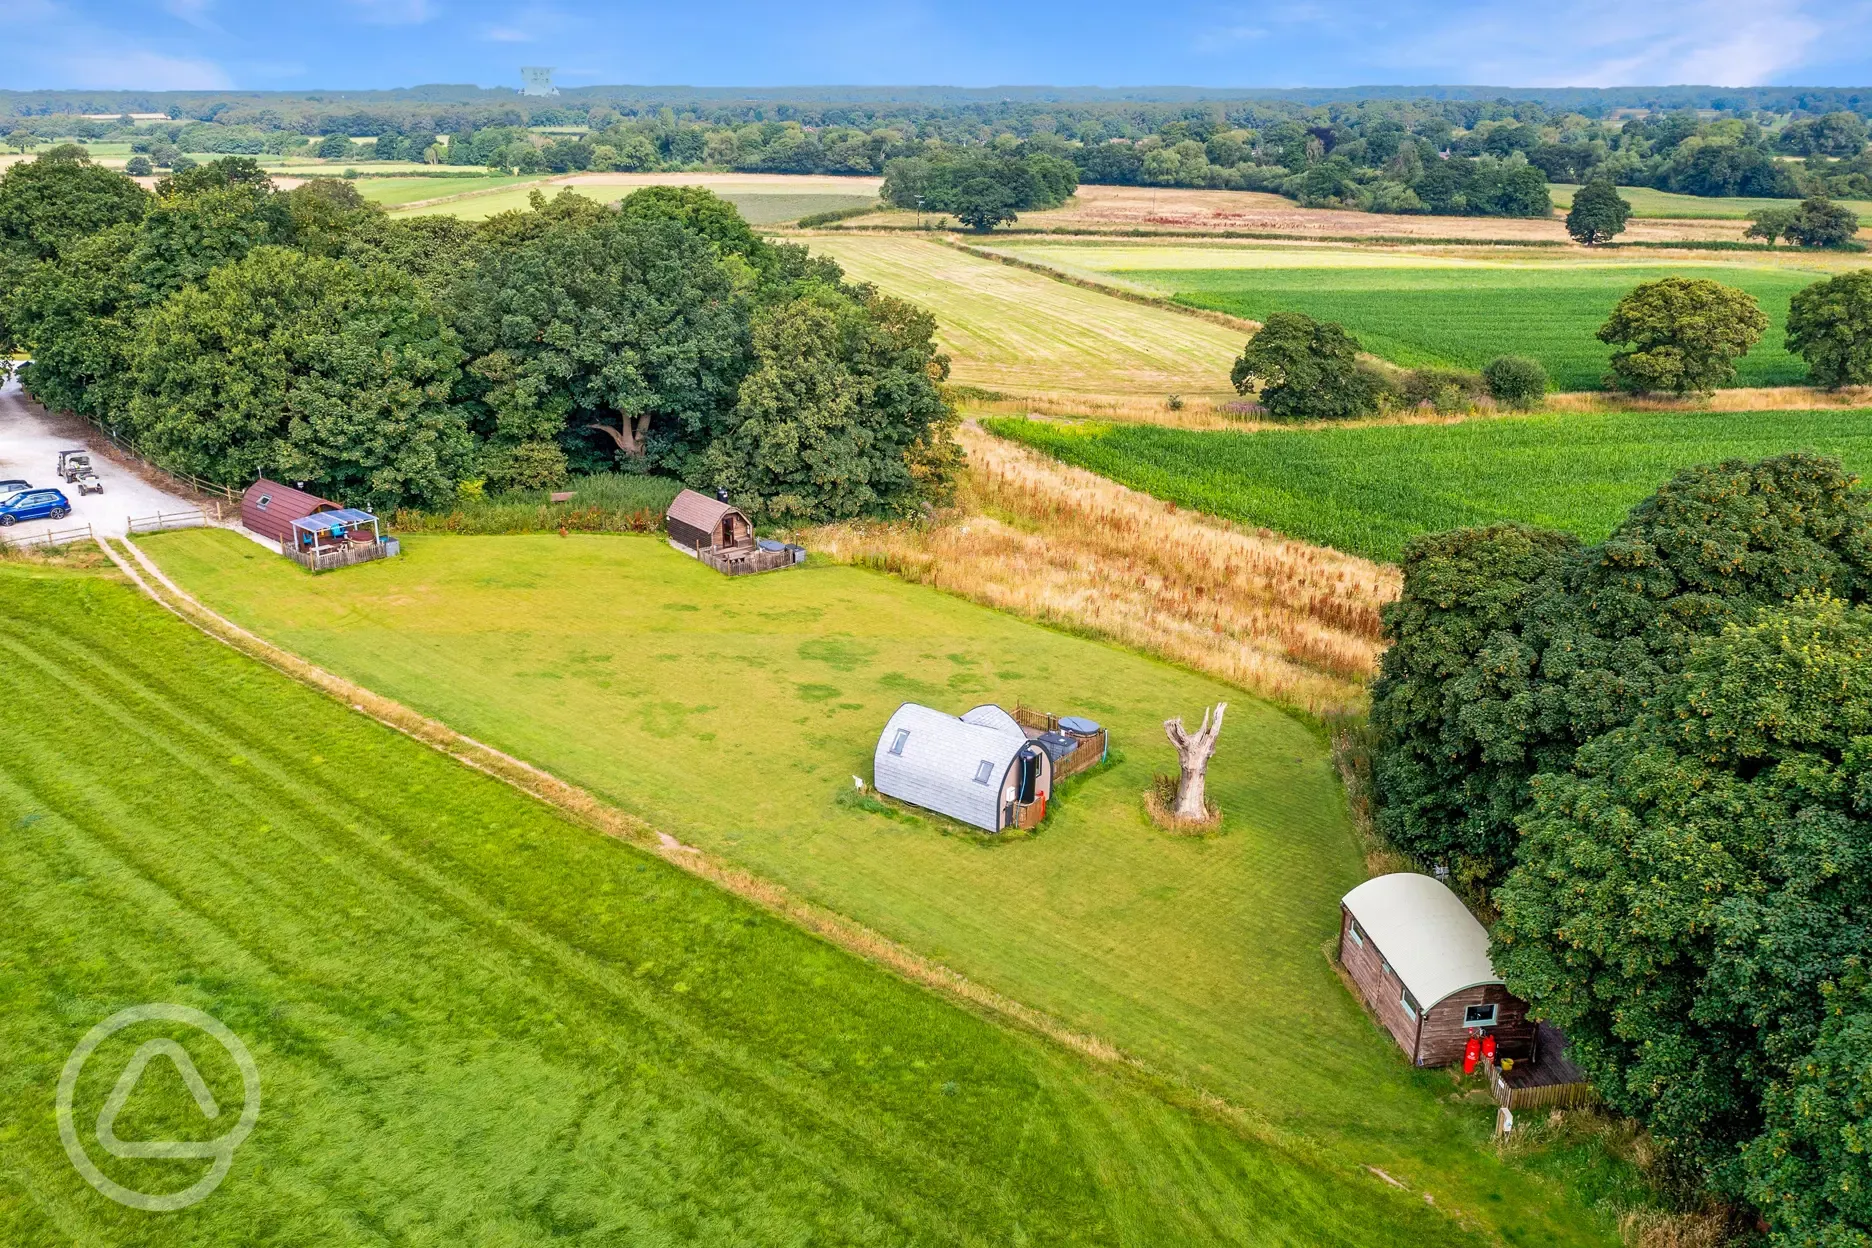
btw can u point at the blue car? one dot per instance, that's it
(33, 505)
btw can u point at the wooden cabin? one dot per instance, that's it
(269, 509)
(1421, 961)
(720, 535)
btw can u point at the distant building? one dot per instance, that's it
(538, 80)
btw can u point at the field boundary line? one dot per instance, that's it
(1162, 302)
(589, 811)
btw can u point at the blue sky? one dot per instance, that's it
(288, 45)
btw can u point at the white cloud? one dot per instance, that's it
(1604, 43)
(194, 12)
(507, 34)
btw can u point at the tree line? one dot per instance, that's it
(232, 330)
(1459, 157)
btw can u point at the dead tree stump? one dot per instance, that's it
(1193, 754)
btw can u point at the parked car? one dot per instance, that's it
(34, 505)
(13, 485)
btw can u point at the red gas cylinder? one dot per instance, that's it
(1470, 1053)
(1488, 1047)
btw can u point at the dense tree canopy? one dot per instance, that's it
(1830, 326)
(1680, 334)
(1306, 370)
(49, 203)
(980, 190)
(1819, 222)
(233, 330)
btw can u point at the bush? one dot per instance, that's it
(1446, 389)
(1515, 380)
(525, 466)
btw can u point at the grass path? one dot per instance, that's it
(649, 679)
(1650, 204)
(1368, 489)
(477, 1023)
(1013, 330)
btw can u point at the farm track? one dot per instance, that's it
(588, 811)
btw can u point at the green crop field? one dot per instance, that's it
(1466, 316)
(1367, 489)
(394, 192)
(733, 713)
(1649, 203)
(475, 1023)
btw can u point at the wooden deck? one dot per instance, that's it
(1091, 751)
(1550, 1081)
(325, 558)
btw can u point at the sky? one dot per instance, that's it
(337, 44)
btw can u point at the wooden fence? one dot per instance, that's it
(324, 559)
(51, 537)
(1518, 1093)
(746, 562)
(194, 518)
(1091, 751)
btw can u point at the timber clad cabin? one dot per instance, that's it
(985, 767)
(1421, 962)
(313, 532)
(719, 534)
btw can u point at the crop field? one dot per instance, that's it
(1012, 330)
(395, 192)
(762, 199)
(1367, 489)
(734, 713)
(1648, 203)
(475, 1022)
(1464, 316)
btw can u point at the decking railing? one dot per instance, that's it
(1536, 1093)
(194, 518)
(324, 559)
(746, 562)
(1091, 751)
(51, 537)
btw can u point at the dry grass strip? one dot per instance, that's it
(1293, 622)
(588, 811)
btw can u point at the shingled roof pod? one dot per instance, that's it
(981, 769)
(719, 534)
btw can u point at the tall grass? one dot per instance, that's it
(604, 502)
(1293, 622)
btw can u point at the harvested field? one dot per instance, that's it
(764, 199)
(1008, 329)
(1148, 209)
(1291, 621)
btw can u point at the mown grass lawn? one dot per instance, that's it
(393, 192)
(476, 1023)
(735, 712)
(1465, 317)
(1368, 489)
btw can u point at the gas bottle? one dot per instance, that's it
(1470, 1053)
(1488, 1047)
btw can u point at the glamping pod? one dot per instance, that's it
(269, 509)
(1421, 962)
(980, 768)
(719, 534)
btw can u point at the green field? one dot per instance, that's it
(734, 712)
(1466, 316)
(1367, 489)
(476, 1023)
(1664, 205)
(394, 192)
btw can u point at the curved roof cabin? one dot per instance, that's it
(1421, 961)
(696, 522)
(979, 768)
(269, 509)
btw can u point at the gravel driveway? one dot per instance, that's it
(29, 447)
